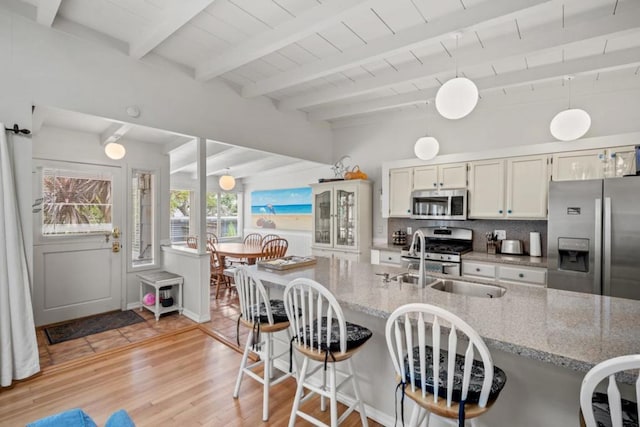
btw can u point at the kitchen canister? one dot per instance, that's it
(534, 244)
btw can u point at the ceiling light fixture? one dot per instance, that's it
(457, 97)
(114, 150)
(572, 123)
(426, 147)
(227, 182)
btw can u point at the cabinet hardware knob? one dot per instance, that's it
(477, 269)
(509, 211)
(435, 184)
(520, 275)
(500, 211)
(441, 184)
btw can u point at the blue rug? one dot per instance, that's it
(91, 325)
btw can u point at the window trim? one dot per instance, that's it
(155, 203)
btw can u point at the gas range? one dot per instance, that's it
(443, 247)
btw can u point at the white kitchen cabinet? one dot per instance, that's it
(440, 177)
(400, 183)
(486, 189)
(594, 164)
(505, 272)
(342, 219)
(381, 256)
(513, 188)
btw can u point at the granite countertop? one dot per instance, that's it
(565, 328)
(525, 260)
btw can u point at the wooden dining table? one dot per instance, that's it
(239, 250)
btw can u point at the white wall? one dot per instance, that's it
(496, 123)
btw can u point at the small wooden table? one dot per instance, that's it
(239, 250)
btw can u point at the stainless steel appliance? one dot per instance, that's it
(439, 204)
(443, 248)
(594, 236)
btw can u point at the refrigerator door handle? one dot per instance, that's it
(606, 236)
(597, 273)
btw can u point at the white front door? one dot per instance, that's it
(77, 271)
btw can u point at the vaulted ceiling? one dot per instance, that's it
(338, 60)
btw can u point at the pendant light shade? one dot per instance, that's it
(115, 151)
(227, 182)
(426, 148)
(456, 98)
(571, 124)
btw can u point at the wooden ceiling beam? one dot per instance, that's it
(173, 18)
(114, 132)
(47, 11)
(305, 24)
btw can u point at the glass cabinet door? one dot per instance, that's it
(345, 232)
(322, 218)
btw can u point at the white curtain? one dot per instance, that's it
(18, 346)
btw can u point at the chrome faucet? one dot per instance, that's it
(421, 271)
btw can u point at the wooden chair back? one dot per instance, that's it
(268, 237)
(275, 248)
(306, 303)
(413, 321)
(251, 295)
(253, 239)
(212, 238)
(192, 242)
(217, 266)
(608, 370)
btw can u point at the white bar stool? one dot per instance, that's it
(263, 317)
(609, 410)
(321, 334)
(466, 388)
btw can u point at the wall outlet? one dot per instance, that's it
(409, 230)
(500, 234)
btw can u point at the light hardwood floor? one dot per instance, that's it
(184, 378)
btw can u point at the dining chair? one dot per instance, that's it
(212, 238)
(321, 334)
(274, 248)
(268, 237)
(252, 239)
(465, 387)
(609, 409)
(217, 276)
(263, 317)
(192, 242)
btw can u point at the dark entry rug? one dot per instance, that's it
(91, 325)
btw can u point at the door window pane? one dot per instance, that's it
(76, 202)
(142, 242)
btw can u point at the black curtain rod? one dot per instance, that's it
(16, 129)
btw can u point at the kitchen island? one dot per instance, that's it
(545, 339)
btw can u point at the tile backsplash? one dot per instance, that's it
(515, 230)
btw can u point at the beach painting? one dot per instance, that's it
(283, 209)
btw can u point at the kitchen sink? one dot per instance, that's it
(413, 278)
(469, 289)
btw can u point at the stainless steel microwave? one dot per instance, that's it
(439, 204)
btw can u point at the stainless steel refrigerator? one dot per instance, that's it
(594, 236)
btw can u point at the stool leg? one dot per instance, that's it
(323, 403)
(243, 365)
(356, 391)
(415, 416)
(423, 417)
(296, 400)
(267, 379)
(334, 395)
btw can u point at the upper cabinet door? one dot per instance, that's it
(400, 183)
(425, 178)
(486, 189)
(527, 186)
(322, 216)
(346, 216)
(453, 175)
(577, 165)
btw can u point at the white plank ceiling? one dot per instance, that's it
(341, 59)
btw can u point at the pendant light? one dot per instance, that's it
(426, 147)
(114, 150)
(572, 123)
(227, 182)
(457, 97)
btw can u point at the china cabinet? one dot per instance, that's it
(342, 213)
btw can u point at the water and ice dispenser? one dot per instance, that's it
(573, 254)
